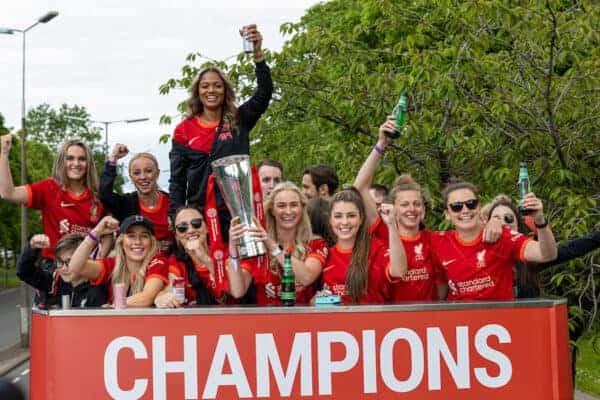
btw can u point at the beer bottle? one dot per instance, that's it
(288, 282)
(524, 187)
(399, 113)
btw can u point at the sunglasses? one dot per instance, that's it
(457, 206)
(183, 227)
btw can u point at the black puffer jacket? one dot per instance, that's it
(191, 168)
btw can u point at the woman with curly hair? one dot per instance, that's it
(214, 127)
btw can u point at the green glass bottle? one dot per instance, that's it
(288, 282)
(399, 112)
(524, 187)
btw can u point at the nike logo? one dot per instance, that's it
(63, 204)
(445, 263)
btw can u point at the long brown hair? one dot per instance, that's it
(357, 278)
(229, 108)
(121, 272)
(59, 171)
(303, 229)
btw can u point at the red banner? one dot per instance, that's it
(384, 352)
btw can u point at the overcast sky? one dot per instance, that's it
(112, 55)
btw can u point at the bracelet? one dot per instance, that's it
(234, 263)
(542, 225)
(92, 236)
(379, 150)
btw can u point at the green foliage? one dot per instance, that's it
(490, 84)
(53, 127)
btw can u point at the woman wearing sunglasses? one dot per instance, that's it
(191, 263)
(474, 269)
(288, 230)
(137, 263)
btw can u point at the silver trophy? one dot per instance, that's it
(234, 177)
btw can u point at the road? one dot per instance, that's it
(20, 377)
(9, 318)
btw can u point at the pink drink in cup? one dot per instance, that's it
(120, 295)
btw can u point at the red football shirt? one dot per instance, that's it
(157, 268)
(478, 270)
(159, 218)
(421, 279)
(316, 248)
(62, 211)
(194, 134)
(336, 269)
(179, 269)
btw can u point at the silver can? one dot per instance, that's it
(247, 44)
(65, 300)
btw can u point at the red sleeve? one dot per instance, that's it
(174, 267)
(37, 193)
(317, 248)
(379, 230)
(158, 268)
(107, 266)
(518, 242)
(179, 135)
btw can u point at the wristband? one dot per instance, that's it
(92, 236)
(277, 251)
(234, 263)
(379, 150)
(542, 225)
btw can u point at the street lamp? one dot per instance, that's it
(24, 288)
(106, 124)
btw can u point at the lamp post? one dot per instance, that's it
(25, 293)
(106, 124)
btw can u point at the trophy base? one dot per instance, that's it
(251, 249)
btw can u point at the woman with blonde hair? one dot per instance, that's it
(288, 230)
(68, 200)
(147, 199)
(137, 263)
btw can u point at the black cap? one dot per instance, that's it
(135, 220)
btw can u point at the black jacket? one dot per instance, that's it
(82, 295)
(567, 251)
(119, 205)
(190, 168)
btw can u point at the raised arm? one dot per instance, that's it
(544, 249)
(239, 279)
(80, 260)
(398, 263)
(365, 175)
(111, 200)
(8, 191)
(27, 271)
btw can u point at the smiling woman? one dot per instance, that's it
(214, 128)
(68, 200)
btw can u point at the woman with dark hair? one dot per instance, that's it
(68, 200)
(191, 262)
(357, 264)
(147, 199)
(474, 269)
(214, 128)
(318, 213)
(527, 282)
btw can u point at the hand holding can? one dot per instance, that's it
(247, 43)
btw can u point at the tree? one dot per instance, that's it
(53, 127)
(490, 84)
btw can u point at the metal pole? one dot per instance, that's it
(25, 290)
